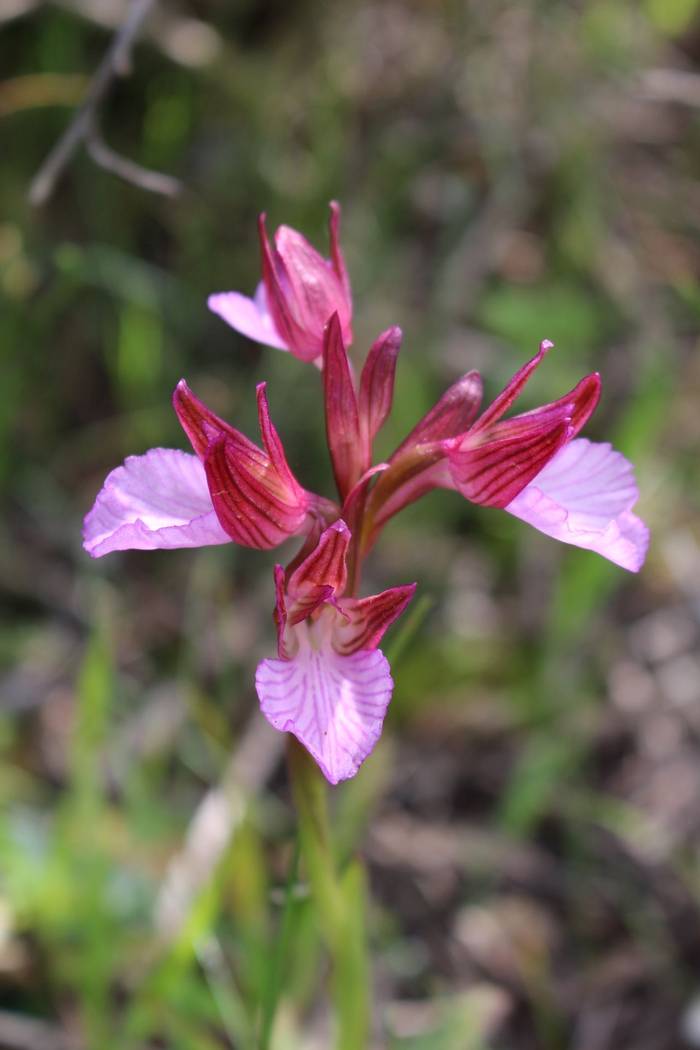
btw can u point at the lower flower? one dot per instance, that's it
(333, 704)
(331, 685)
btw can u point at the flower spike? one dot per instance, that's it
(330, 684)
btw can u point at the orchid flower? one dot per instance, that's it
(532, 465)
(330, 684)
(299, 292)
(230, 490)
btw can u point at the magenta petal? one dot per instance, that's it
(160, 499)
(377, 384)
(250, 317)
(494, 472)
(364, 621)
(585, 496)
(453, 414)
(335, 705)
(322, 574)
(349, 456)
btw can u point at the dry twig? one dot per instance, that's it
(83, 127)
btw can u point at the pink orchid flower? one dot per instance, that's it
(331, 685)
(532, 465)
(230, 490)
(298, 293)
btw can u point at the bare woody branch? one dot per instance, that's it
(83, 127)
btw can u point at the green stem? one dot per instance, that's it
(279, 961)
(339, 902)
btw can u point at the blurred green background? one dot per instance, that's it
(508, 171)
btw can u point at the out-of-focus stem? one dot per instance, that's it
(339, 902)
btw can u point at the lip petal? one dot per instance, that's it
(156, 501)
(335, 705)
(584, 496)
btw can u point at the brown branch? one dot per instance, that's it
(145, 178)
(82, 128)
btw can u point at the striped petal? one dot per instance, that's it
(333, 704)
(349, 454)
(364, 621)
(322, 574)
(158, 500)
(584, 496)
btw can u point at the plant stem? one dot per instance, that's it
(339, 902)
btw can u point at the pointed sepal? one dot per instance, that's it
(322, 575)
(451, 415)
(493, 462)
(377, 384)
(493, 472)
(349, 458)
(417, 467)
(203, 426)
(257, 499)
(365, 620)
(338, 263)
(514, 387)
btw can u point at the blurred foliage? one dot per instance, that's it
(508, 172)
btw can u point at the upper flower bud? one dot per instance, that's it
(255, 495)
(300, 290)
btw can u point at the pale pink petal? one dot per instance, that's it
(250, 317)
(585, 496)
(335, 705)
(160, 499)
